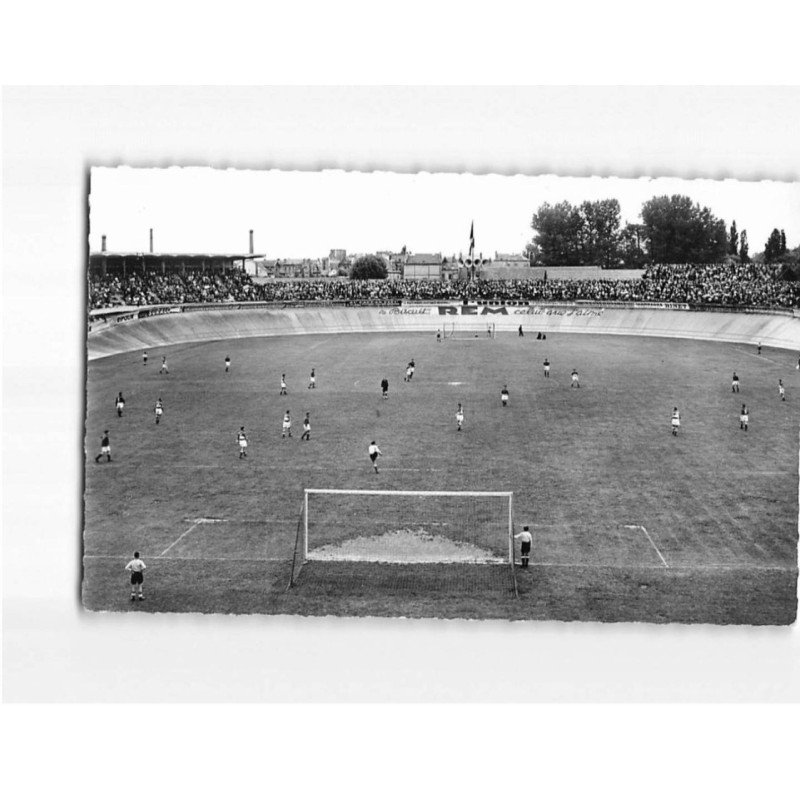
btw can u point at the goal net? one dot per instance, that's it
(472, 331)
(439, 540)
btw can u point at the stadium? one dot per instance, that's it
(628, 522)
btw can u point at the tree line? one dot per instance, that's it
(674, 230)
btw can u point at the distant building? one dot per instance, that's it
(507, 266)
(337, 261)
(290, 268)
(394, 263)
(423, 266)
(452, 270)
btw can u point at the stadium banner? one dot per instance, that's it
(575, 308)
(492, 310)
(154, 311)
(412, 310)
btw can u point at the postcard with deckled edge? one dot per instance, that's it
(442, 396)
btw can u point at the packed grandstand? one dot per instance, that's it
(751, 284)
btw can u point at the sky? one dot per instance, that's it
(306, 214)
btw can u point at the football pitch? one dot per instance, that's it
(628, 521)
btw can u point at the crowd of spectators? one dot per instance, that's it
(153, 288)
(723, 285)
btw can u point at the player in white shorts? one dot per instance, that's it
(744, 418)
(781, 389)
(163, 367)
(676, 421)
(136, 567)
(287, 425)
(504, 395)
(306, 429)
(227, 363)
(374, 452)
(159, 409)
(283, 385)
(120, 403)
(460, 416)
(312, 381)
(546, 367)
(575, 379)
(105, 447)
(241, 438)
(735, 383)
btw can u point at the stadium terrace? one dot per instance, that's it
(737, 285)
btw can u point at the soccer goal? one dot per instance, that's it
(424, 536)
(461, 331)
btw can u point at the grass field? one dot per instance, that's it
(629, 522)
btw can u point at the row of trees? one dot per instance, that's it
(775, 249)
(584, 234)
(673, 230)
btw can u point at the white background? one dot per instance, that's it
(296, 214)
(53, 651)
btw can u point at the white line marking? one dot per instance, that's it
(198, 521)
(690, 567)
(593, 566)
(189, 558)
(760, 358)
(189, 530)
(642, 528)
(566, 565)
(408, 469)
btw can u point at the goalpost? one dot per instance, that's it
(457, 332)
(424, 533)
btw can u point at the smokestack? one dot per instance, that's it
(151, 240)
(251, 243)
(103, 243)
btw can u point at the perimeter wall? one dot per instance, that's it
(114, 332)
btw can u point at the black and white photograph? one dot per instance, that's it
(331, 409)
(441, 395)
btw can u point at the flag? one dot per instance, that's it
(471, 238)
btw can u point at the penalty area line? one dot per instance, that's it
(185, 533)
(649, 539)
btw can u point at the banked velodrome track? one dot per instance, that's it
(167, 325)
